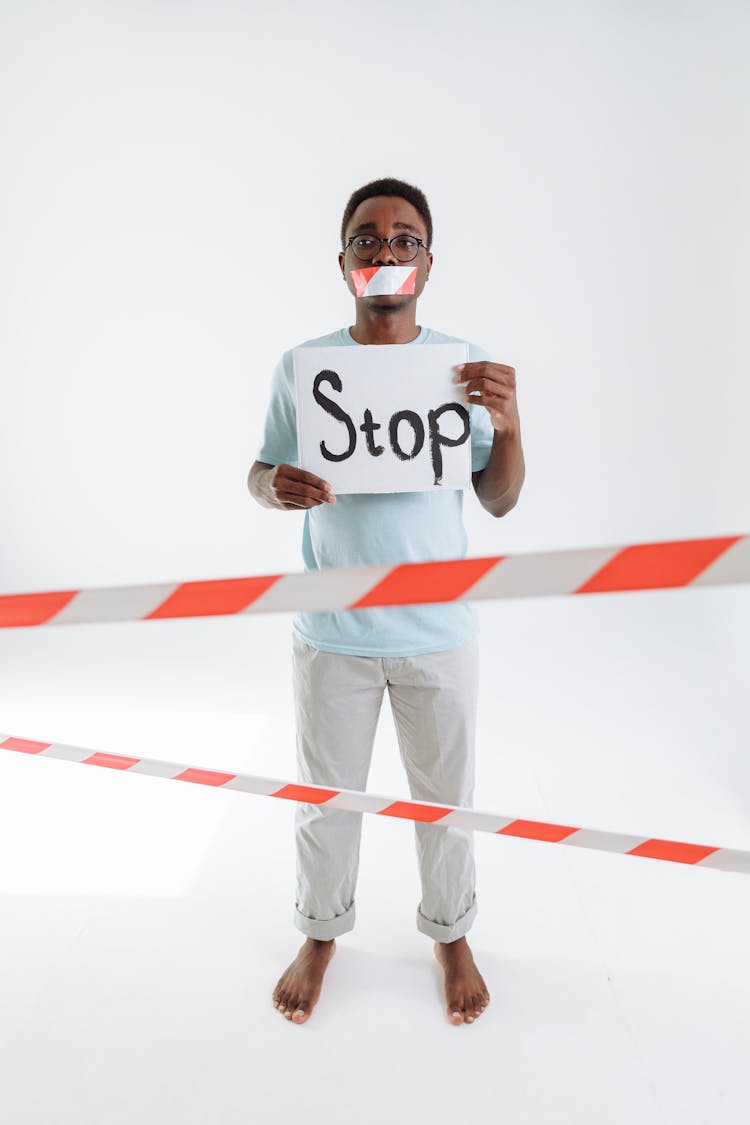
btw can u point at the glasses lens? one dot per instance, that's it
(405, 247)
(365, 247)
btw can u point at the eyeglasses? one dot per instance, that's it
(405, 247)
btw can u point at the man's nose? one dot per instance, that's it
(385, 256)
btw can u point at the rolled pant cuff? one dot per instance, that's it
(327, 929)
(447, 933)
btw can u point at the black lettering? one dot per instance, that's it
(336, 412)
(437, 440)
(368, 428)
(416, 424)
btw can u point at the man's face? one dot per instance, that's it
(386, 216)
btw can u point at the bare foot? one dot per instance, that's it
(299, 986)
(465, 991)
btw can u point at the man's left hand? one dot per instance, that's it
(492, 385)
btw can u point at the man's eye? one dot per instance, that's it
(406, 243)
(365, 243)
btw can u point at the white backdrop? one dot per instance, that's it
(172, 188)
(173, 177)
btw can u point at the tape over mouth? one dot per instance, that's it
(379, 281)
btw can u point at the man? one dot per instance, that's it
(425, 655)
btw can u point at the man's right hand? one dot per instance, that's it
(288, 488)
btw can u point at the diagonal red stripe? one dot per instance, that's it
(415, 583)
(410, 810)
(24, 745)
(361, 279)
(537, 830)
(32, 609)
(213, 598)
(409, 285)
(204, 777)
(672, 850)
(111, 761)
(305, 793)
(652, 566)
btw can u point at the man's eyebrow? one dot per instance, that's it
(373, 226)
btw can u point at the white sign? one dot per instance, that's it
(383, 417)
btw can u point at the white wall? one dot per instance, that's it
(173, 181)
(161, 163)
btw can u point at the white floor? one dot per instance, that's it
(143, 923)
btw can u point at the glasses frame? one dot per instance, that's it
(388, 241)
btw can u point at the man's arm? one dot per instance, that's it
(499, 483)
(287, 488)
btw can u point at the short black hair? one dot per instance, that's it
(388, 186)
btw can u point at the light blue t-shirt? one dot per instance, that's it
(362, 529)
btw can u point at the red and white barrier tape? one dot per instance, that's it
(645, 566)
(443, 816)
(378, 281)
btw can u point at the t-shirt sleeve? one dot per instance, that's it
(482, 433)
(279, 445)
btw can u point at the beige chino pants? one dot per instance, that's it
(338, 699)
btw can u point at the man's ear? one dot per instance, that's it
(341, 264)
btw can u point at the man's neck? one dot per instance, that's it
(398, 327)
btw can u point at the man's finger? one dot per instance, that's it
(479, 365)
(296, 490)
(302, 494)
(292, 473)
(289, 500)
(291, 484)
(492, 402)
(487, 386)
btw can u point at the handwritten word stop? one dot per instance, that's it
(383, 418)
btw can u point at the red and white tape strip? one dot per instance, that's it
(443, 816)
(647, 566)
(382, 281)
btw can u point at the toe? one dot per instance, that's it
(301, 1012)
(455, 1015)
